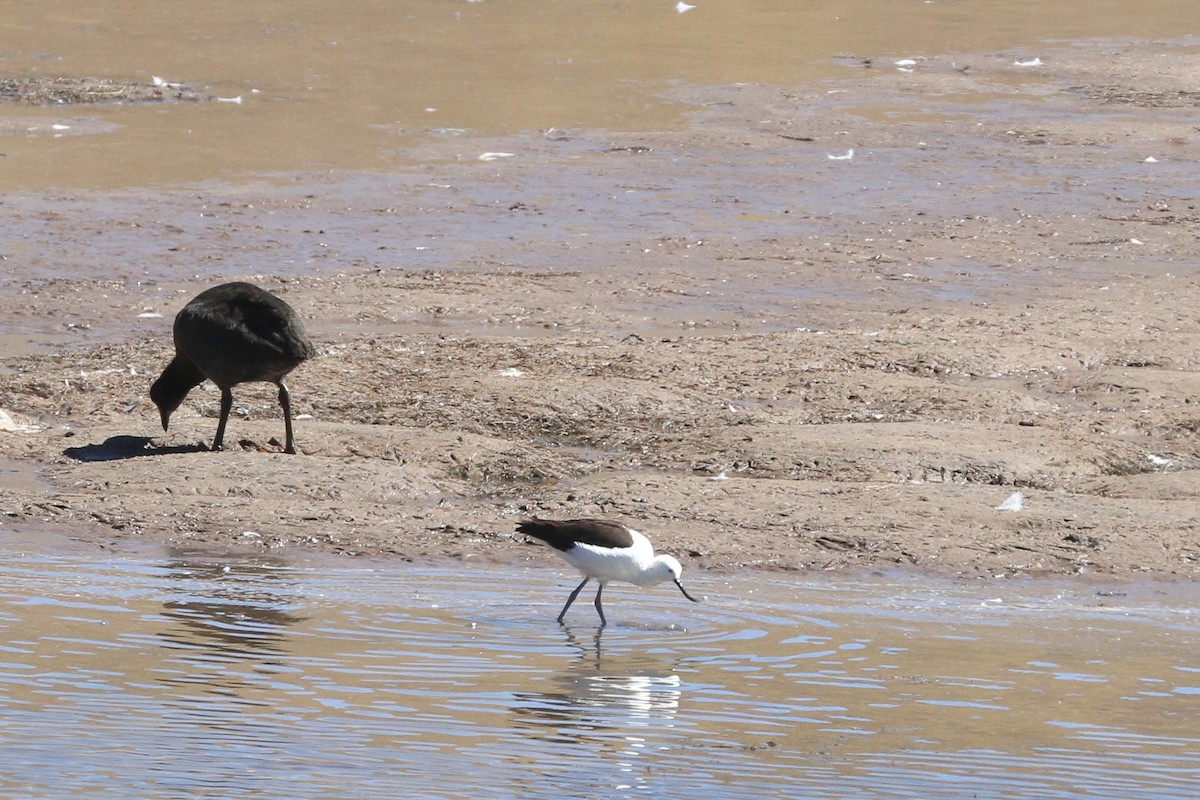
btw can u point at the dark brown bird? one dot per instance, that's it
(230, 334)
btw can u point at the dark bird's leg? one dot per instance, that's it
(571, 599)
(226, 407)
(599, 609)
(285, 402)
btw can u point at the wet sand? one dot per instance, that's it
(756, 353)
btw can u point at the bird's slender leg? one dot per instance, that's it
(285, 402)
(571, 599)
(226, 407)
(599, 609)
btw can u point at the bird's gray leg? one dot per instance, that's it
(226, 407)
(571, 599)
(600, 610)
(285, 402)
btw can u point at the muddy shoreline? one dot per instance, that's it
(760, 355)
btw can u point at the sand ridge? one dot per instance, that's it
(788, 386)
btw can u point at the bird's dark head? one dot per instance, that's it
(173, 386)
(166, 400)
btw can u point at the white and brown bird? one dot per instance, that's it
(230, 334)
(606, 551)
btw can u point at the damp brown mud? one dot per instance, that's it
(795, 287)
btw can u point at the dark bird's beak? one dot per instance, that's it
(685, 594)
(166, 417)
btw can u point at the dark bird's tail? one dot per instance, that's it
(546, 530)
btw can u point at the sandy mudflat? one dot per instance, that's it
(757, 354)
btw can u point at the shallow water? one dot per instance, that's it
(358, 86)
(175, 673)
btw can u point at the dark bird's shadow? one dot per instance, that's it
(118, 448)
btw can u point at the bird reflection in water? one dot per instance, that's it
(229, 608)
(227, 621)
(595, 697)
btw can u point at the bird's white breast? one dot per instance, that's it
(613, 564)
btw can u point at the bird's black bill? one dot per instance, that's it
(685, 594)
